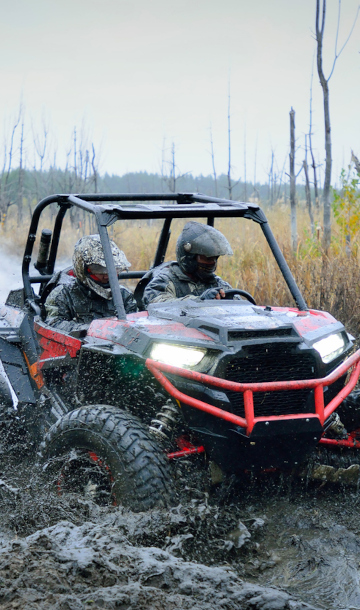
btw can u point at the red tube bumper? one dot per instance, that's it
(351, 365)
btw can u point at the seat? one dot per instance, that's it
(141, 285)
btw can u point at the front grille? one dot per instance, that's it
(239, 335)
(273, 362)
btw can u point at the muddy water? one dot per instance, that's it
(312, 543)
(269, 544)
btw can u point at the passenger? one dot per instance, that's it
(76, 301)
(193, 275)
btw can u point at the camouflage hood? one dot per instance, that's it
(88, 251)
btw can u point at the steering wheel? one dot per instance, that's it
(231, 292)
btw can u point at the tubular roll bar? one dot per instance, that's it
(248, 422)
(182, 205)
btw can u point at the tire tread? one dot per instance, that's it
(143, 459)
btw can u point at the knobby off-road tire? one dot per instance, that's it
(134, 468)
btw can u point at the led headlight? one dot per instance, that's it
(330, 347)
(176, 355)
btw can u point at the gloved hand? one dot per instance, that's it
(209, 294)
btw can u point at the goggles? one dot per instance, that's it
(100, 274)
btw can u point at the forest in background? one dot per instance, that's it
(21, 189)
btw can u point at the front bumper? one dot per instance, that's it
(255, 443)
(351, 365)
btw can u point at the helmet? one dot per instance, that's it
(195, 239)
(88, 251)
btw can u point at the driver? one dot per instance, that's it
(193, 274)
(76, 301)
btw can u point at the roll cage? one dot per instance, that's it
(108, 208)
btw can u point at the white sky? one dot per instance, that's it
(139, 72)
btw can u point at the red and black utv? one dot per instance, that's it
(253, 387)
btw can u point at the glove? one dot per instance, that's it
(209, 294)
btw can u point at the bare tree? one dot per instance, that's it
(255, 161)
(313, 164)
(319, 30)
(271, 179)
(94, 168)
(281, 177)
(230, 185)
(172, 177)
(6, 199)
(245, 187)
(308, 197)
(2, 198)
(21, 177)
(213, 162)
(173, 170)
(75, 160)
(328, 160)
(40, 143)
(293, 181)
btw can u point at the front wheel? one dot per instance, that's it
(107, 455)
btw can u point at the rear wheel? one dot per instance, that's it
(107, 455)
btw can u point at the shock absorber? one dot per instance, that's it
(163, 424)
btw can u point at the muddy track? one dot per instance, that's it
(271, 543)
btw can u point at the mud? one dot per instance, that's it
(271, 543)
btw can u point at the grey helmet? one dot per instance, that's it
(88, 251)
(197, 238)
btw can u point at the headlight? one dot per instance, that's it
(176, 355)
(330, 347)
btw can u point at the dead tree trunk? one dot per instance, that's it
(95, 179)
(173, 170)
(9, 169)
(271, 180)
(245, 185)
(292, 181)
(21, 179)
(308, 197)
(229, 151)
(2, 198)
(213, 162)
(256, 191)
(325, 88)
(94, 168)
(313, 164)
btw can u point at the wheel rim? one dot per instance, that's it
(85, 473)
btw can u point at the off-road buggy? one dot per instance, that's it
(252, 387)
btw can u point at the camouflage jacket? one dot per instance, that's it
(71, 307)
(169, 282)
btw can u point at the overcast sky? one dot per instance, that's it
(142, 74)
